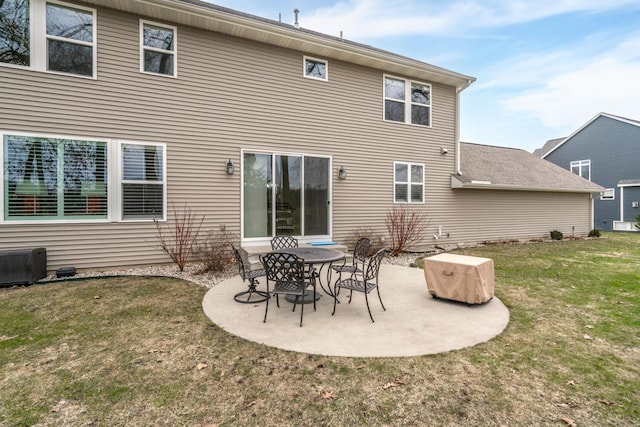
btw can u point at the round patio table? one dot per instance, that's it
(313, 256)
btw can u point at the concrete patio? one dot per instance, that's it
(414, 323)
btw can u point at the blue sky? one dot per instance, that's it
(544, 68)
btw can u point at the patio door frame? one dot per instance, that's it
(273, 154)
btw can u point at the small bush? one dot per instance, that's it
(638, 222)
(594, 233)
(214, 251)
(556, 235)
(405, 227)
(377, 241)
(180, 237)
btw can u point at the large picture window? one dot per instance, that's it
(407, 101)
(54, 178)
(408, 185)
(48, 36)
(157, 49)
(143, 181)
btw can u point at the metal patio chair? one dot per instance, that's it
(359, 256)
(283, 242)
(365, 284)
(287, 272)
(252, 277)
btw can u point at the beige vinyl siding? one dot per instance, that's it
(230, 94)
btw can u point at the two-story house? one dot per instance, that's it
(604, 150)
(112, 113)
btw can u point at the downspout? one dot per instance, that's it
(457, 131)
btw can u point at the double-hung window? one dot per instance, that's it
(407, 101)
(143, 182)
(48, 36)
(408, 182)
(158, 49)
(582, 168)
(15, 33)
(54, 178)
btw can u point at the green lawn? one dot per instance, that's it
(138, 351)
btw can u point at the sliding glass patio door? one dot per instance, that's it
(285, 194)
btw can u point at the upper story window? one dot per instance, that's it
(48, 36)
(407, 101)
(158, 49)
(15, 34)
(316, 68)
(582, 168)
(70, 36)
(408, 183)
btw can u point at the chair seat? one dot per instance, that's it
(289, 288)
(356, 285)
(252, 274)
(345, 268)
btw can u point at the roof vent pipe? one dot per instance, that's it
(295, 12)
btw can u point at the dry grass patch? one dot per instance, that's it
(139, 351)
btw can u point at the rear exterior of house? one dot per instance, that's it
(112, 114)
(606, 151)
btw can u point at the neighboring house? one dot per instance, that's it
(114, 113)
(605, 150)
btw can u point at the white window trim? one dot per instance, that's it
(407, 101)
(114, 181)
(611, 191)
(408, 183)
(304, 68)
(110, 179)
(173, 52)
(38, 39)
(579, 164)
(120, 170)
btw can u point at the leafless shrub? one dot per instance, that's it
(377, 241)
(214, 251)
(181, 236)
(405, 228)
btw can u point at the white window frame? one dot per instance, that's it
(408, 102)
(119, 203)
(109, 182)
(38, 38)
(608, 194)
(114, 181)
(173, 52)
(408, 183)
(580, 164)
(304, 68)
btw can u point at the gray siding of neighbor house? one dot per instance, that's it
(230, 94)
(613, 147)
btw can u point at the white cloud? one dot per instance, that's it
(370, 19)
(607, 82)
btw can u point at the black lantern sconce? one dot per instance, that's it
(229, 167)
(342, 173)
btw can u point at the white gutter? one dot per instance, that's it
(488, 185)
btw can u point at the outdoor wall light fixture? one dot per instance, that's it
(230, 167)
(443, 151)
(342, 173)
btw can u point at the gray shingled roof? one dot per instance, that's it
(548, 146)
(502, 168)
